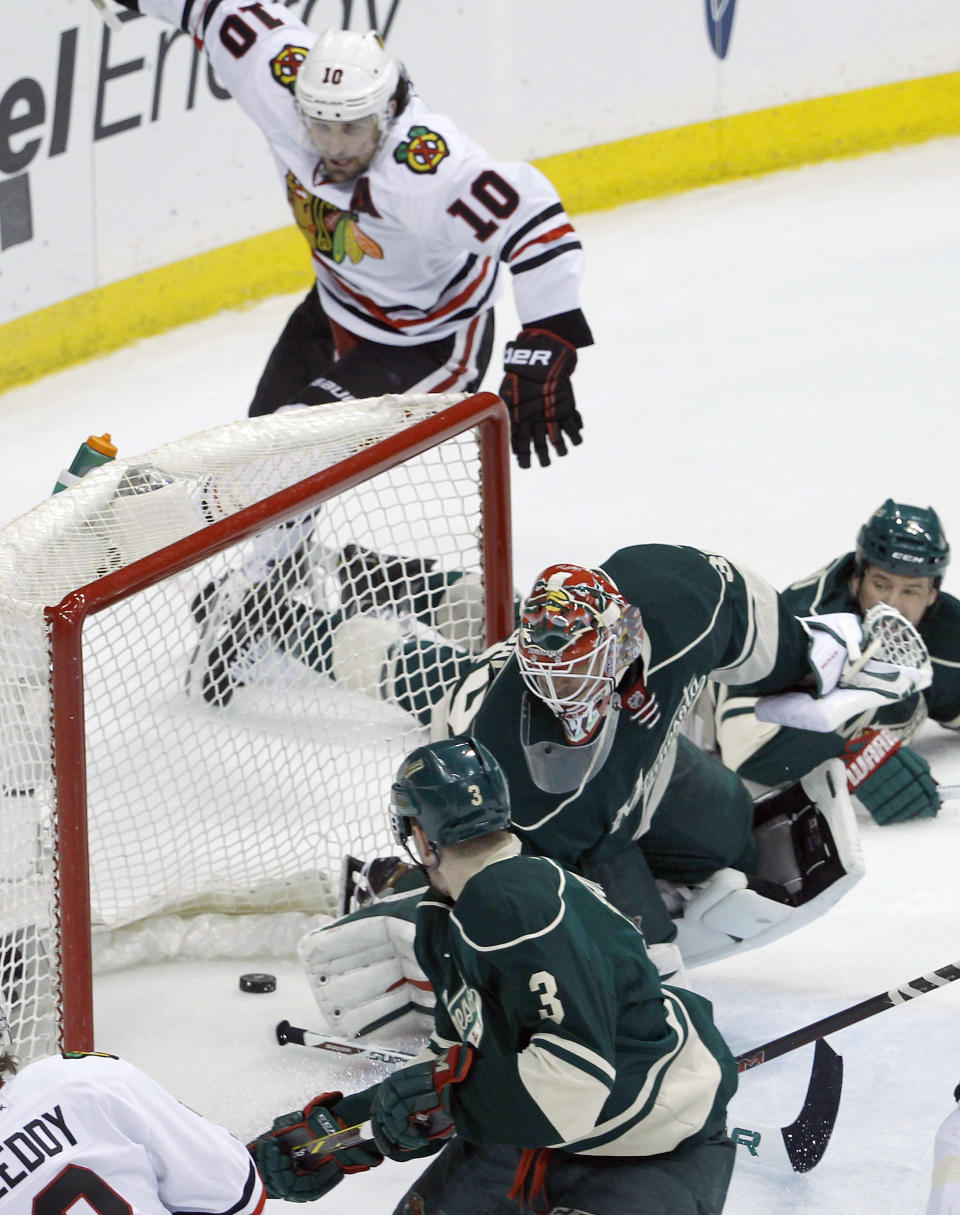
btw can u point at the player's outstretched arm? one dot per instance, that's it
(537, 388)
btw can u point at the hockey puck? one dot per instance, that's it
(258, 982)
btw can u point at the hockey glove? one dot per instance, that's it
(890, 780)
(536, 390)
(304, 1182)
(411, 1111)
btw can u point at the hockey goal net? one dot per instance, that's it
(212, 658)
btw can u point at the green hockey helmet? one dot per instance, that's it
(904, 539)
(454, 789)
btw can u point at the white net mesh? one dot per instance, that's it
(244, 717)
(890, 637)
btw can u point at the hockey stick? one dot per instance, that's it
(799, 1146)
(341, 1046)
(849, 1016)
(110, 19)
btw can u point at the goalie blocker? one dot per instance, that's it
(366, 979)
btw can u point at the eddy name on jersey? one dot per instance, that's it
(428, 222)
(44, 1136)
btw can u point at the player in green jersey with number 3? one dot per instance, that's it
(561, 1073)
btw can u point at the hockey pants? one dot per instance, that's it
(468, 1180)
(306, 353)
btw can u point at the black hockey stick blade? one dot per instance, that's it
(807, 1138)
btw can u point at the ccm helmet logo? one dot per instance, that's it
(528, 358)
(907, 557)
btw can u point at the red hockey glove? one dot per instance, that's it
(537, 392)
(326, 1114)
(412, 1106)
(893, 782)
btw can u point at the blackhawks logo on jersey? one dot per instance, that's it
(329, 229)
(422, 150)
(286, 65)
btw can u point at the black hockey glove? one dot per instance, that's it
(537, 391)
(326, 1114)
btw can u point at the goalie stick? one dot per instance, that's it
(799, 1146)
(849, 1016)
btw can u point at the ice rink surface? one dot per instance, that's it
(773, 358)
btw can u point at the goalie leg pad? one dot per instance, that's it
(808, 857)
(458, 613)
(364, 974)
(669, 963)
(361, 655)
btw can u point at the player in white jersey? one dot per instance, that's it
(94, 1133)
(409, 224)
(945, 1185)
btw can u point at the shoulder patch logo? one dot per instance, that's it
(286, 65)
(466, 1012)
(422, 150)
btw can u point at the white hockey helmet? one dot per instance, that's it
(347, 76)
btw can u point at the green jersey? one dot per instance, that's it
(703, 617)
(776, 755)
(579, 1045)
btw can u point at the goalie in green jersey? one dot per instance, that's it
(900, 558)
(560, 1073)
(585, 709)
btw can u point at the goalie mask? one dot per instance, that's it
(906, 540)
(348, 91)
(454, 789)
(577, 636)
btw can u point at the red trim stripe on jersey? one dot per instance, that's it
(464, 362)
(429, 318)
(533, 222)
(253, 1185)
(546, 238)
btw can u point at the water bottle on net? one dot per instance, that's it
(97, 450)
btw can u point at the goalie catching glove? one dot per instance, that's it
(304, 1182)
(536, 389)
(890, 780)
(411, 1111)
(856, 667)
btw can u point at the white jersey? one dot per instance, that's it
(411, 250)
(945, 1188)
(93, 1133)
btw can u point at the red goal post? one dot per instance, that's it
(137, 761)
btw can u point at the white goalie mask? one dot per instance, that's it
(345, 96)
(577, 636)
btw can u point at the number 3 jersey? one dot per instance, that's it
(411, 250)
(579, 1046)
(93, 1133)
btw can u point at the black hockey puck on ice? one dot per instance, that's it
(258, 982)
